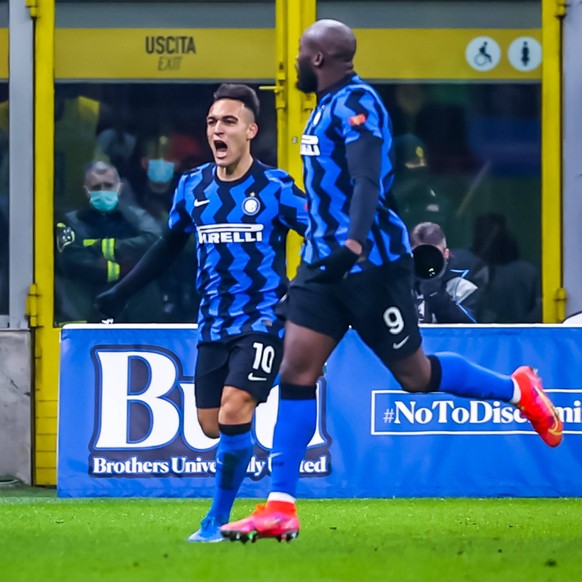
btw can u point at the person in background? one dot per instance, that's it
(163, 158)
(416, 200)
(77, 118)
(97, 245)
(157, 176)
(510, 288)
(240, 211)
(443, 294)
(118, 143)
(357, 271)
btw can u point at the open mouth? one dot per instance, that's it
(220, 147)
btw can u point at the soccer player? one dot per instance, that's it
(357, 270)
(241, 212)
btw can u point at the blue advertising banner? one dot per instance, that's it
(128, 427)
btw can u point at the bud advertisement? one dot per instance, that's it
(128, 425)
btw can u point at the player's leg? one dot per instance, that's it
(314, 326)
(450, 372)
(305, 353)
(210, 375)
(386, 320)
(252, 365)
(234, 451)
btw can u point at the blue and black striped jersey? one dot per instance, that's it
(241, 229)
(345, 113)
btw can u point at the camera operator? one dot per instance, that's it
(443, 295)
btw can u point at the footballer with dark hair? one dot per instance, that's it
(240, 212)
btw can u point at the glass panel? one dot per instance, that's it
(468, 156)
(129, 125)
(163, 15)
(174, 1)
(4, 199)
(433, 13)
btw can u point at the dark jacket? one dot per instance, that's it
(449, 298)
(509, 292)
(96, 249)
(178, 283)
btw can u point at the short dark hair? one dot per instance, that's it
(101, 168)
(428, 233)
(243, 93)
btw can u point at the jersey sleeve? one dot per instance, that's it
(293, 206)
(179, 218)
(358, 114)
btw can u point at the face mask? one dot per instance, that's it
(160, 171)
(104, 200)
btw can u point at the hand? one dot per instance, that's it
(334, 267)
(430, 287)
(435, 294)
(65, 236)
(110, 303)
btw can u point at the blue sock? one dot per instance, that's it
(232, 458)
(296, 422)
(463, 378)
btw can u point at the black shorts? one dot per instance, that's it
(250, 362)
(377, 303)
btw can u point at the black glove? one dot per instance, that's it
(65, 236)
(430, 287)
(436, 296)
(110, 303)
(334, 267)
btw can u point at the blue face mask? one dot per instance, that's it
(104, 200)
(160, 171)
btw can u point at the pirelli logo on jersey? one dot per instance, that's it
(230, 233)
(309, 145)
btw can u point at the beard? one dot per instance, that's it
(306, 77)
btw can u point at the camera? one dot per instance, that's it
(429, 262)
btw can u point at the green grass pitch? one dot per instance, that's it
(49, 539)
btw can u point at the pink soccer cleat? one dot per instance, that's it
(264, 522)
(537, 407)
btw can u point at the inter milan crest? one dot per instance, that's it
(251, 205)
